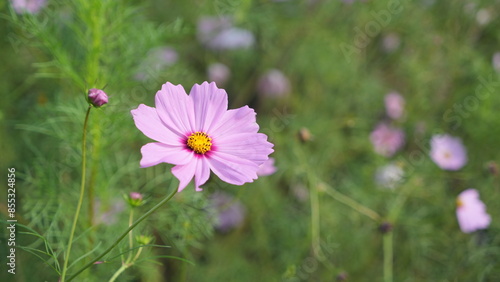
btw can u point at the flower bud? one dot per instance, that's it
(143, 239)
(304, 135)
(97, 97)
(134, 199)
(385, 227)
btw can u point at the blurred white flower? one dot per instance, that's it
(391, 42)
(483, 17)
(496, 61)
(157, 59)
(218, 33)
(389, 176)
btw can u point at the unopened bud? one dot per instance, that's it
(385, 227)
(305, 135)
(492, 168)
(97, 97)
(143, 239)
(134, 199)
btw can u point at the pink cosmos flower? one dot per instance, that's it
(448, 152)
(394, 105)
(471, 212)
(267, 168)
(28, 6)
(387, 140)
(198, 134)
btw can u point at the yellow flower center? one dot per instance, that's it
(199, 142)
(459, 203)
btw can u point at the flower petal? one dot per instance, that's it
(202, 173)
(185, 173)
(155, 153)
(249, 146)
(210, 103)
(233, 169)
(241, 120)
(147, 120)
(175, 109)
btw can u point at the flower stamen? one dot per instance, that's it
(199, 142)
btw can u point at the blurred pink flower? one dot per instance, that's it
(274, 84)
(448, 152)
(229, 212)
(198, 134)
(28, 6)
(267, 168)
(394, 105)
(471, 212)
(218, 73)
(387, 140)
(218, 33)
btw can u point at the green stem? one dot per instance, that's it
(130, 242)
(119, 271)
(80, 200)
(124, 234)
(315, 220)
(388, 259)
(351, 203)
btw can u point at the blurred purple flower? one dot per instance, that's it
(274, 84)
(387, 140)
(471, 212)
(389, 176)
(394, 105)
(28, 6)
(229, 212)
(448, 152)
(218, 73)
(218, 33)
(267, 168)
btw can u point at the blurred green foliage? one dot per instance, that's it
(337, 58)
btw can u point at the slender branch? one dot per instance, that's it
(388, 256)
(351, 203)
(124, 234)
(82, 192)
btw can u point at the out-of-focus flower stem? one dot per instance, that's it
(130, 234)
(124, 234)
(82, 193)
(388, 253)
(351, 203)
